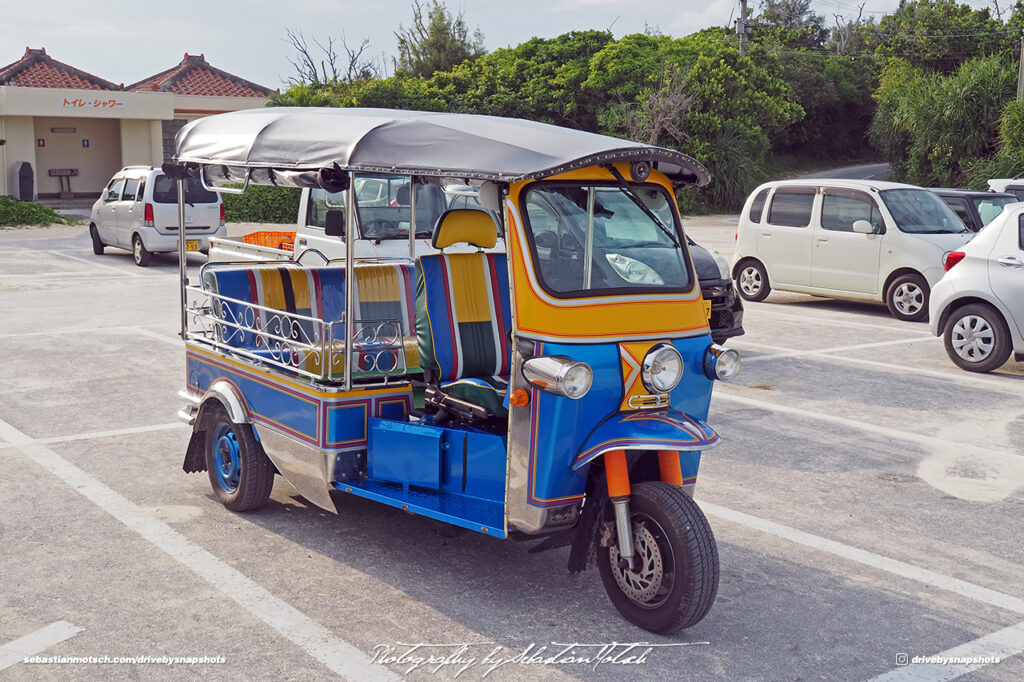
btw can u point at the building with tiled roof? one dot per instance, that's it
(65, 132)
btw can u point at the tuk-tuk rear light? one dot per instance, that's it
(662, 368)
(559, 375)
(721, 363)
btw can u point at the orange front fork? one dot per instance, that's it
(671, 471)
(617, 474)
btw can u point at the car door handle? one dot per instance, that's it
(1010, 262)
(766, 233)
(823, 240)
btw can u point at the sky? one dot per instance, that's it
(125, 41)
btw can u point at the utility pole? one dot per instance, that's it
(741, 29)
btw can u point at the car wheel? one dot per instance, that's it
(752, 281)
(240, 474)
(907, 298)
(97, 244)
(977, 338)
(140, 252)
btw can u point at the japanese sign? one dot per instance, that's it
(93, 103)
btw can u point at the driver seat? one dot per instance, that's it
(464, 313)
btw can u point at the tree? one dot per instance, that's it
(325, 69)
(437, 43)
(790, 23)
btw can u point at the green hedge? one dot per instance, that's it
(14, 212)
(263, 204)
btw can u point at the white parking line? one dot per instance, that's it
(71, 331)
(102, 434)
(900, 568)
(121, 271)
(32, 644)
(834, 349)
(333, 652)
(176, 340)
(884, 431)
(947, 665)
(828, 320)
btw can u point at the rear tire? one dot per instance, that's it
(140, 253)
(752, 281)
(677, 580)
(977, 338)
(240, 473)
(907, 298)
(97, 243)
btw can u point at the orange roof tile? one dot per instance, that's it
(36, 69)
(195, 76)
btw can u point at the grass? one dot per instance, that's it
(14, 213)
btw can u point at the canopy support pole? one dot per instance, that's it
(350, 276)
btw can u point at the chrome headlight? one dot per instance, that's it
(633, 271)
(721, 362)
(559, 375)
(662, 368)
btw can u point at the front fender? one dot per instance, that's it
(662, 430)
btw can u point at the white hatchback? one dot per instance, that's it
(978, 306)
(138, 211)
(857, 239)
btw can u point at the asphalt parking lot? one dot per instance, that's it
(867, 501)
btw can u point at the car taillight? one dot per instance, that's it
(952, 258)
(147, 215)
(222, 215)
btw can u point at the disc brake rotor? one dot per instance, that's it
(642, 584)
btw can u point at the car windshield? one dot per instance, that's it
(165, 191)
(918, 211)
(990, 207)
(595, 239)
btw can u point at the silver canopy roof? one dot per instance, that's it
(289, 145)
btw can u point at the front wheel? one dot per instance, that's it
(97, 243)
(676, 579)
(752, 281)
(977, 338)
(240, 473)
(907, 298)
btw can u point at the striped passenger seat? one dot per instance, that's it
(279, 293)
(463, 312)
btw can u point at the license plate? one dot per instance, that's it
(707, 309)
(193, 245)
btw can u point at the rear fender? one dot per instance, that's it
(220, 393)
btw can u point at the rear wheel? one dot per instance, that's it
(676, 579)
(240, 473)
(752, 281)
(97, 243)
(907, 298)
(140, 252)
(977, 338)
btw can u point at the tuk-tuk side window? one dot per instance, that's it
(757, 205)
(840, 209)
(595, 240)
(791, 207)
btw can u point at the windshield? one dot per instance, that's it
(165, 191)
(382, 201)
(594, 239)
(918, 211)
(990, 207)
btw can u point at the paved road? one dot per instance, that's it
(867, 501)
(871, 171)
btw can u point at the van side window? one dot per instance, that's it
(791, 206)
(1020, 228)
(131, 187)
(959, 207)
(840, 209)
(142, 190)
(114, 190)
(757, 206)
(320, 202)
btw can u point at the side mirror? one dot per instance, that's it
(334, 223)
(859, 226)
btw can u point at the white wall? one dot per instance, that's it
(95, 163)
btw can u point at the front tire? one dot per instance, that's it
(240, 473)
(677, 579)
(140, 253)
(752, 281)
(907, 298)
(97, 243)
(977, 338)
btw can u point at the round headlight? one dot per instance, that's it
(577, 380)
(721, 363)
(662, 368)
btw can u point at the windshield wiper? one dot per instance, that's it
(631, 193)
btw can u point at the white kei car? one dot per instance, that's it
(138, 211)
(978, 305)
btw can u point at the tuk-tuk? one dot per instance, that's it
(558, 391)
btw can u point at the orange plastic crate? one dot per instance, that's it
(275, 240)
